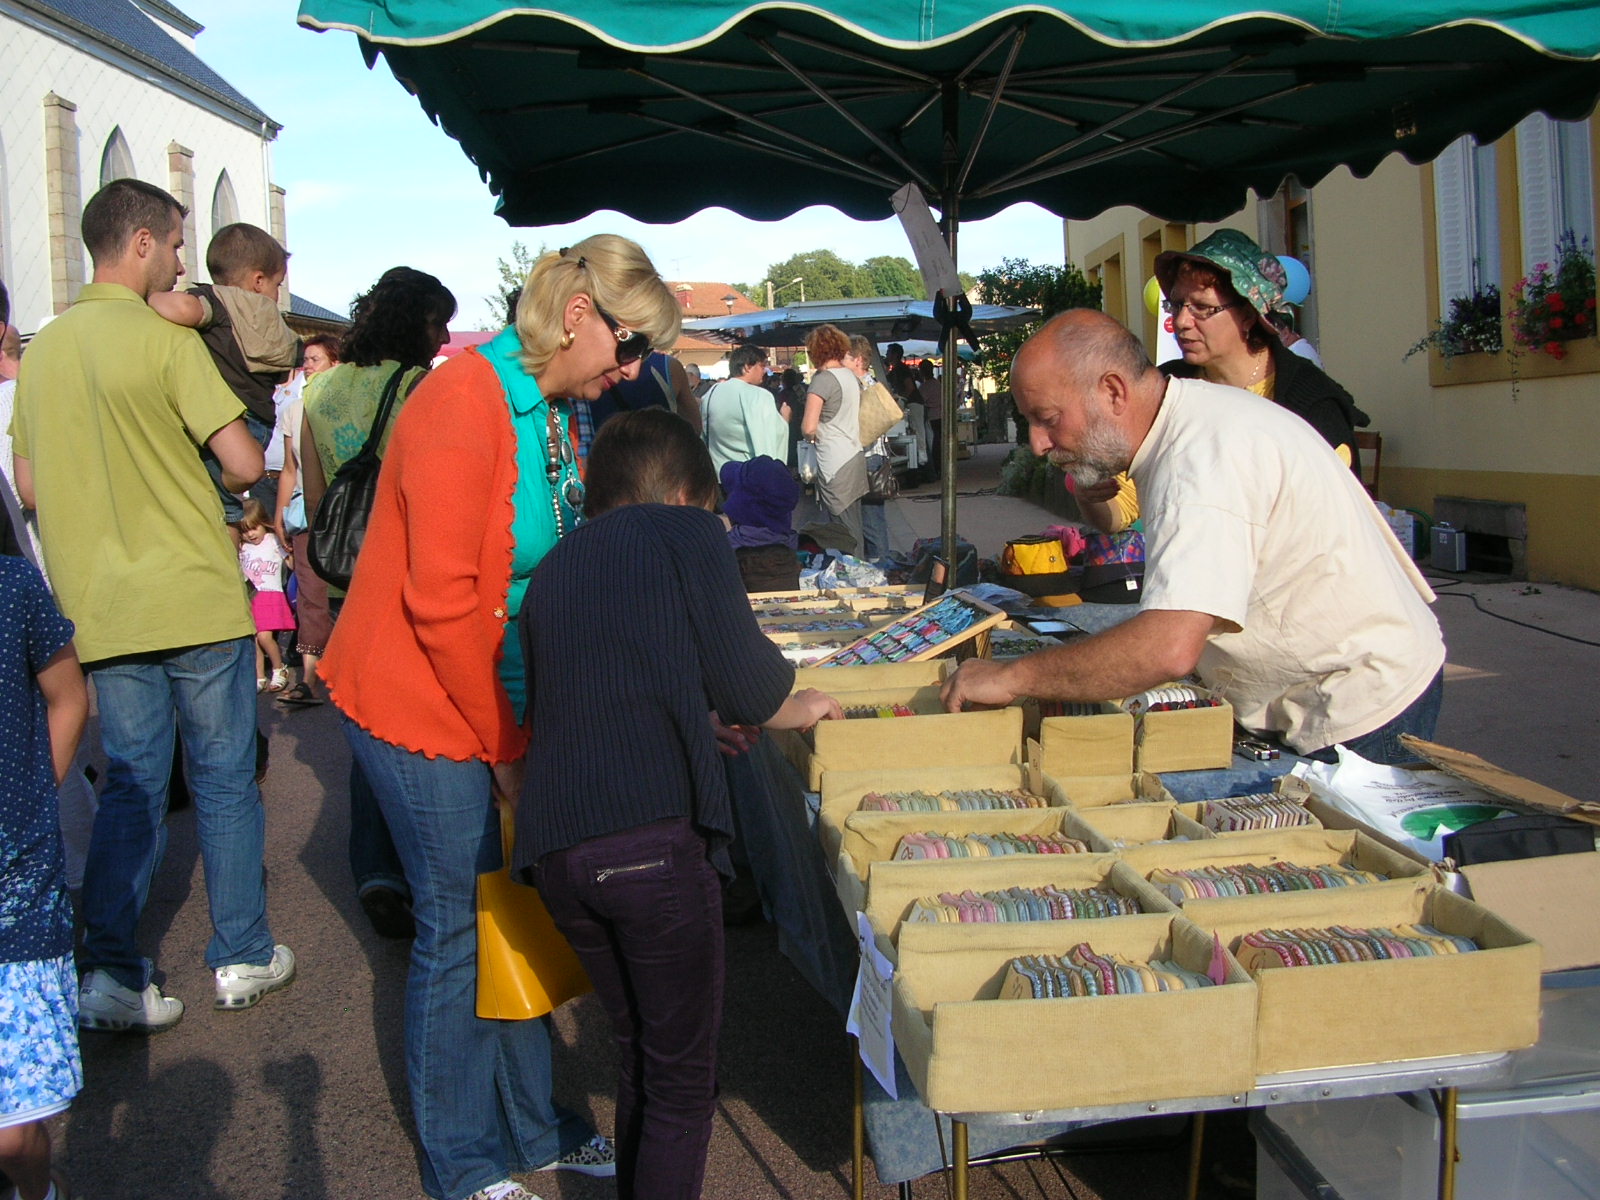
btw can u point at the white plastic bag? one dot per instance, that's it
(805, 457)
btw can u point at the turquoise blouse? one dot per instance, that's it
(533, 527)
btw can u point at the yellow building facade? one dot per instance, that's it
(1503, 444)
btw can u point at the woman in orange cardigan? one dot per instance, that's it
(479, 481)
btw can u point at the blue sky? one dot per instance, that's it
(372, 183)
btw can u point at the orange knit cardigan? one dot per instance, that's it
(413, 657)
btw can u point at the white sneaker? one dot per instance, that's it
(240, 985)
(103, 1003)
(506, 1189)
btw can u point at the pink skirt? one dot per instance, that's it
(271, 611)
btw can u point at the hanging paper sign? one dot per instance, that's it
(927, 243)
(871, 1008)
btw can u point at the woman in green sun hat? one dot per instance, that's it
(1221, 295)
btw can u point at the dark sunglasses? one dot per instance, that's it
(631, 346)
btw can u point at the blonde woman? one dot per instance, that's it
(479, 481)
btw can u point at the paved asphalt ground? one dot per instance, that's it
(304, 1097)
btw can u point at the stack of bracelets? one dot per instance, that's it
(1260, 810)
(1048, 903)
(1069, 708)
(855, 712)
(1169, 699)
(970, 800)
(1250, 879)
(1268, 948)
(906, 637)
(1085, 973)
(815, 608)
(819, 625)
(917, 846)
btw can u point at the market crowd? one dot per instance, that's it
(557, 548)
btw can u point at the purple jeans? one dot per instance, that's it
(643, 911)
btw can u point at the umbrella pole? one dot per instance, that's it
(947, 443)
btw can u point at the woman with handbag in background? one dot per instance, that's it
(398, 326)
(479, 482)
(881, 483)
(831, 422)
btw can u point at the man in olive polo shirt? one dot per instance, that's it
(112, 403)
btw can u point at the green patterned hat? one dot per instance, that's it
(1256, 275)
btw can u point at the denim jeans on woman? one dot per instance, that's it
(208, 692)
(480, 1090)
(643, 911)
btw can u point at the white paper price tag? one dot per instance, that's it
(871, 1009)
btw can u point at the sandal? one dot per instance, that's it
(299, 696)
(280, 679)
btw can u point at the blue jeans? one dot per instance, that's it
(374, 862)
(208, 692)
(480, 1089)
(643, 911)
(1383, 744)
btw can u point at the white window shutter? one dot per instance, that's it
(1452, 186)
(1537, 192)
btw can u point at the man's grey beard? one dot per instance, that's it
(1103, 455)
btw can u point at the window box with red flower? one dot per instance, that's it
(1555, 303)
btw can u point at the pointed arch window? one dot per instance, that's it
(116, 160)
(224, 204)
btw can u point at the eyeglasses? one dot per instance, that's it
(631, 346)
(1200, 312)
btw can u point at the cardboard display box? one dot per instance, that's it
(1190, 739)
(841, 791)
(893, 887)
(869, 837)
(969, 1052)
(874, 677)
(1101, 744)
(1301, 847)
(1096, 791)
(951, 739)
(1117, 826)
(987, 616)
(1541, 896)
(1347, 1014)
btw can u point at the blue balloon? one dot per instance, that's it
(1299, 279)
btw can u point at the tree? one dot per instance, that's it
(826, 275)
(1048, 288)
(512, 276)
(894, 276)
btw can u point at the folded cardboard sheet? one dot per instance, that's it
(968, 1051)
(1555, 900)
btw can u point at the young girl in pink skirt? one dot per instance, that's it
(262, 559)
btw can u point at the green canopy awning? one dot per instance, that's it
(661, 109)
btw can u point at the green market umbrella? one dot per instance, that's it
(1179, 107)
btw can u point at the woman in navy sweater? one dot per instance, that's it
(638, 636)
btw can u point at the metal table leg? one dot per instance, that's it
(1448, 1154)
(1197, 1144)
(958, 1148)
(858, 1131)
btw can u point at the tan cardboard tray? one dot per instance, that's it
(841, 791)
(1502, 782)
(987, 616)
(893, 887)
(874, 677)
(1302, 847)
(969, 1052)
(1190, 739)
(1096, 791)
(1116, 827)
(882, 589)
(870, 837)
(798, 596)
(808, 639)
(844, 625)
(1101, 744)
(1346, 1014)
(962, 739)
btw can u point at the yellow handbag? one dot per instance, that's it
(1037, 566)
(525, 967)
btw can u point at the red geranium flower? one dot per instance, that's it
(1557, 302)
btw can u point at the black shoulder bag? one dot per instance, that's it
(340, 524)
